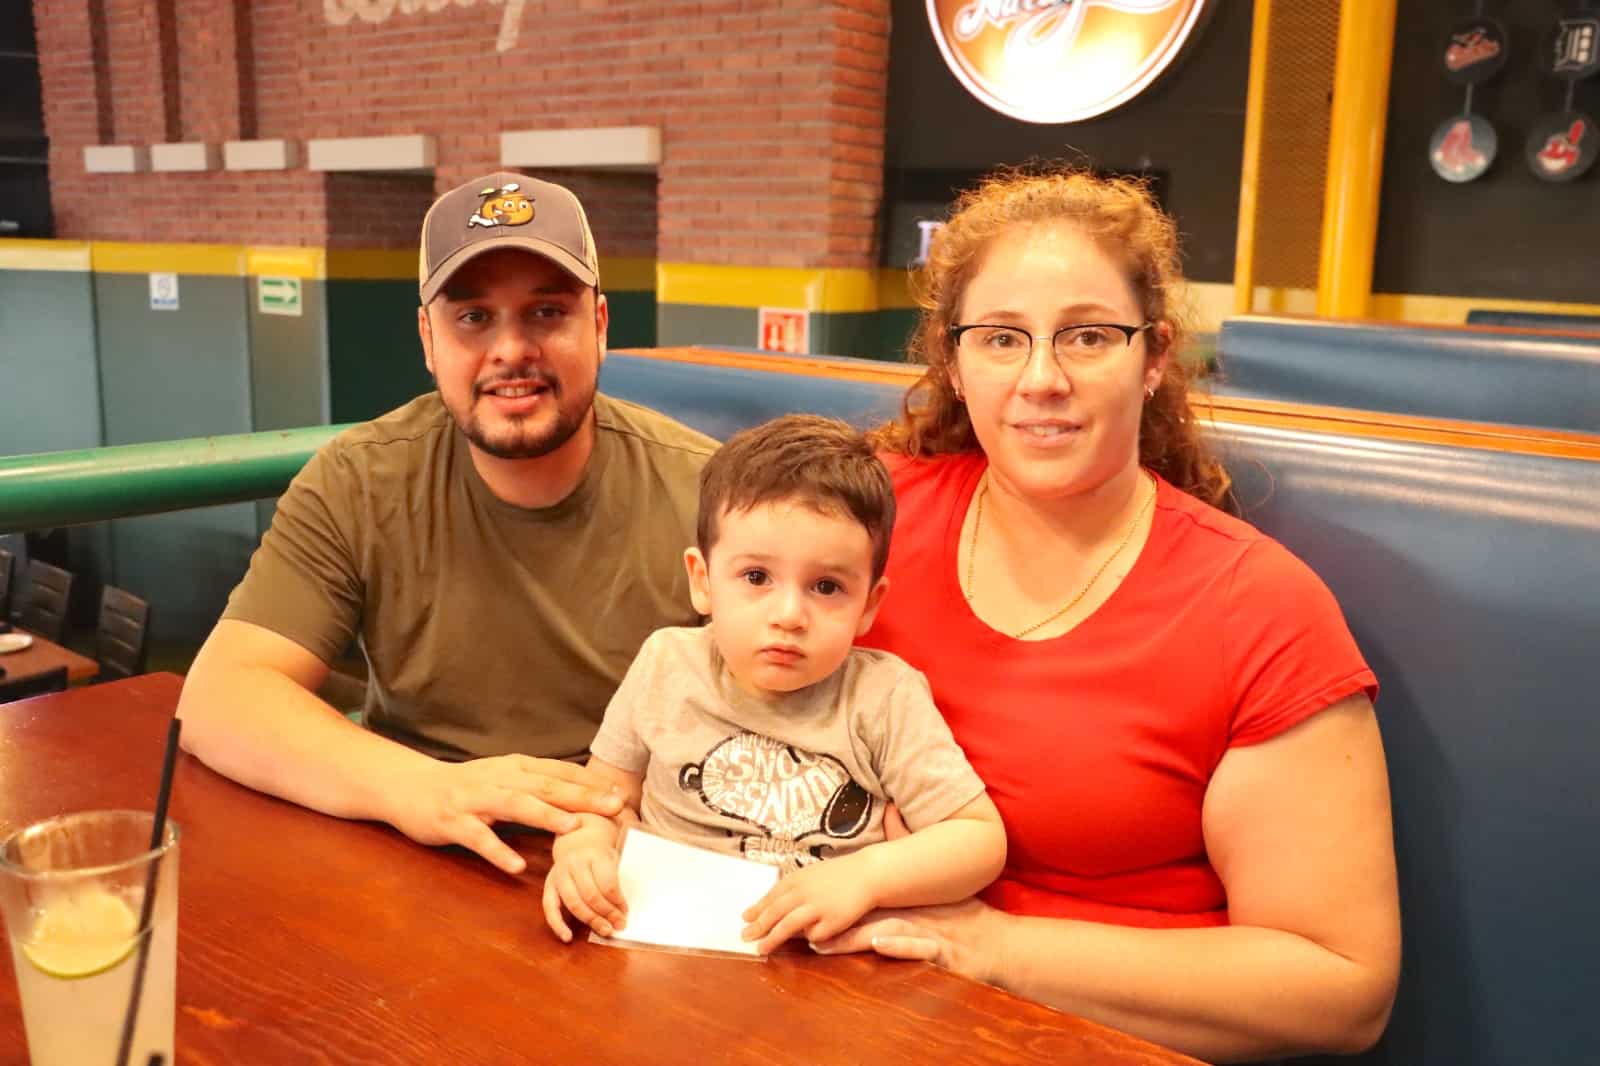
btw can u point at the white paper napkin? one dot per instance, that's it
(681, 896)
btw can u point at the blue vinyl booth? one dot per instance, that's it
(1489, 316)
(1471, 579)
(1524, 378)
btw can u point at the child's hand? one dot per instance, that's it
(821, 901)
(584, 880)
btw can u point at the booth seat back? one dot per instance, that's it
(721, 400)
(1471, 579)
(1493, 316)
(1544, 380)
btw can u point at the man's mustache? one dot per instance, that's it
(536, 377)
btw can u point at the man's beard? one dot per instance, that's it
(514, 444)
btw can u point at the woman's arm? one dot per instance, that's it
(1298, 828)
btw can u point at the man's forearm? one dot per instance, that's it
(263, 729)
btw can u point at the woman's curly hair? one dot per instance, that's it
(1123, 218)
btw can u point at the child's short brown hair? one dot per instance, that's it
(823, 463)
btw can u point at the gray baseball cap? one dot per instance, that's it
(505, 210)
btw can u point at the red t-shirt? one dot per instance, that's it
(1097, 746)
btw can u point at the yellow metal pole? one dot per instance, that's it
(1244, 252)
(1355, 157)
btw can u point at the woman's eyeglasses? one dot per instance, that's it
(1008, 346)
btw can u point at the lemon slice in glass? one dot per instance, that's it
(81, 935)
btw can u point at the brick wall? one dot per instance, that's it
(215, 93)
(771, 114)
(376, 210)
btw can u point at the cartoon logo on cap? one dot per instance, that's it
(505, 206)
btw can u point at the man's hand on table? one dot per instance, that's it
(458, 803)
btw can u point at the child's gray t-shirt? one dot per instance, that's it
(790, 780)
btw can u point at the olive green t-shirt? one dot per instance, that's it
(488, 628)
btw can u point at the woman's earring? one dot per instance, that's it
(1149, 392)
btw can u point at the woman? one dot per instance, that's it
(1166, 705)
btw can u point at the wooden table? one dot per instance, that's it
(304, 938)
(44, 655)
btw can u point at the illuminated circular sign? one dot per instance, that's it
(1051, 61)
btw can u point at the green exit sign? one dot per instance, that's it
(278, 296)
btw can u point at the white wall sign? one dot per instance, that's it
(163, 292)
(341, 12)
(926, 228)
(782, 329)
(278, 296)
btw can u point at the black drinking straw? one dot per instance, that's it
(158, 836)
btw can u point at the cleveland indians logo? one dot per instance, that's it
(1561, 151)
(1060, 60)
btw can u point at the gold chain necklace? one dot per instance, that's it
(972, 556)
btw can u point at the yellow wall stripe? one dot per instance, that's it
(117, 257)
(849, 290)
(308, 263)
(819, 289)
(24, 254)
(822, 290)
(627, 274)
(1453, 309)
(894, 290)
(1416, 309)
(622, 273)
(1208, 302)
(372, 264)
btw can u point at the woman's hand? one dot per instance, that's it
(965, 938)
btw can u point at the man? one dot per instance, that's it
(500, 548)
